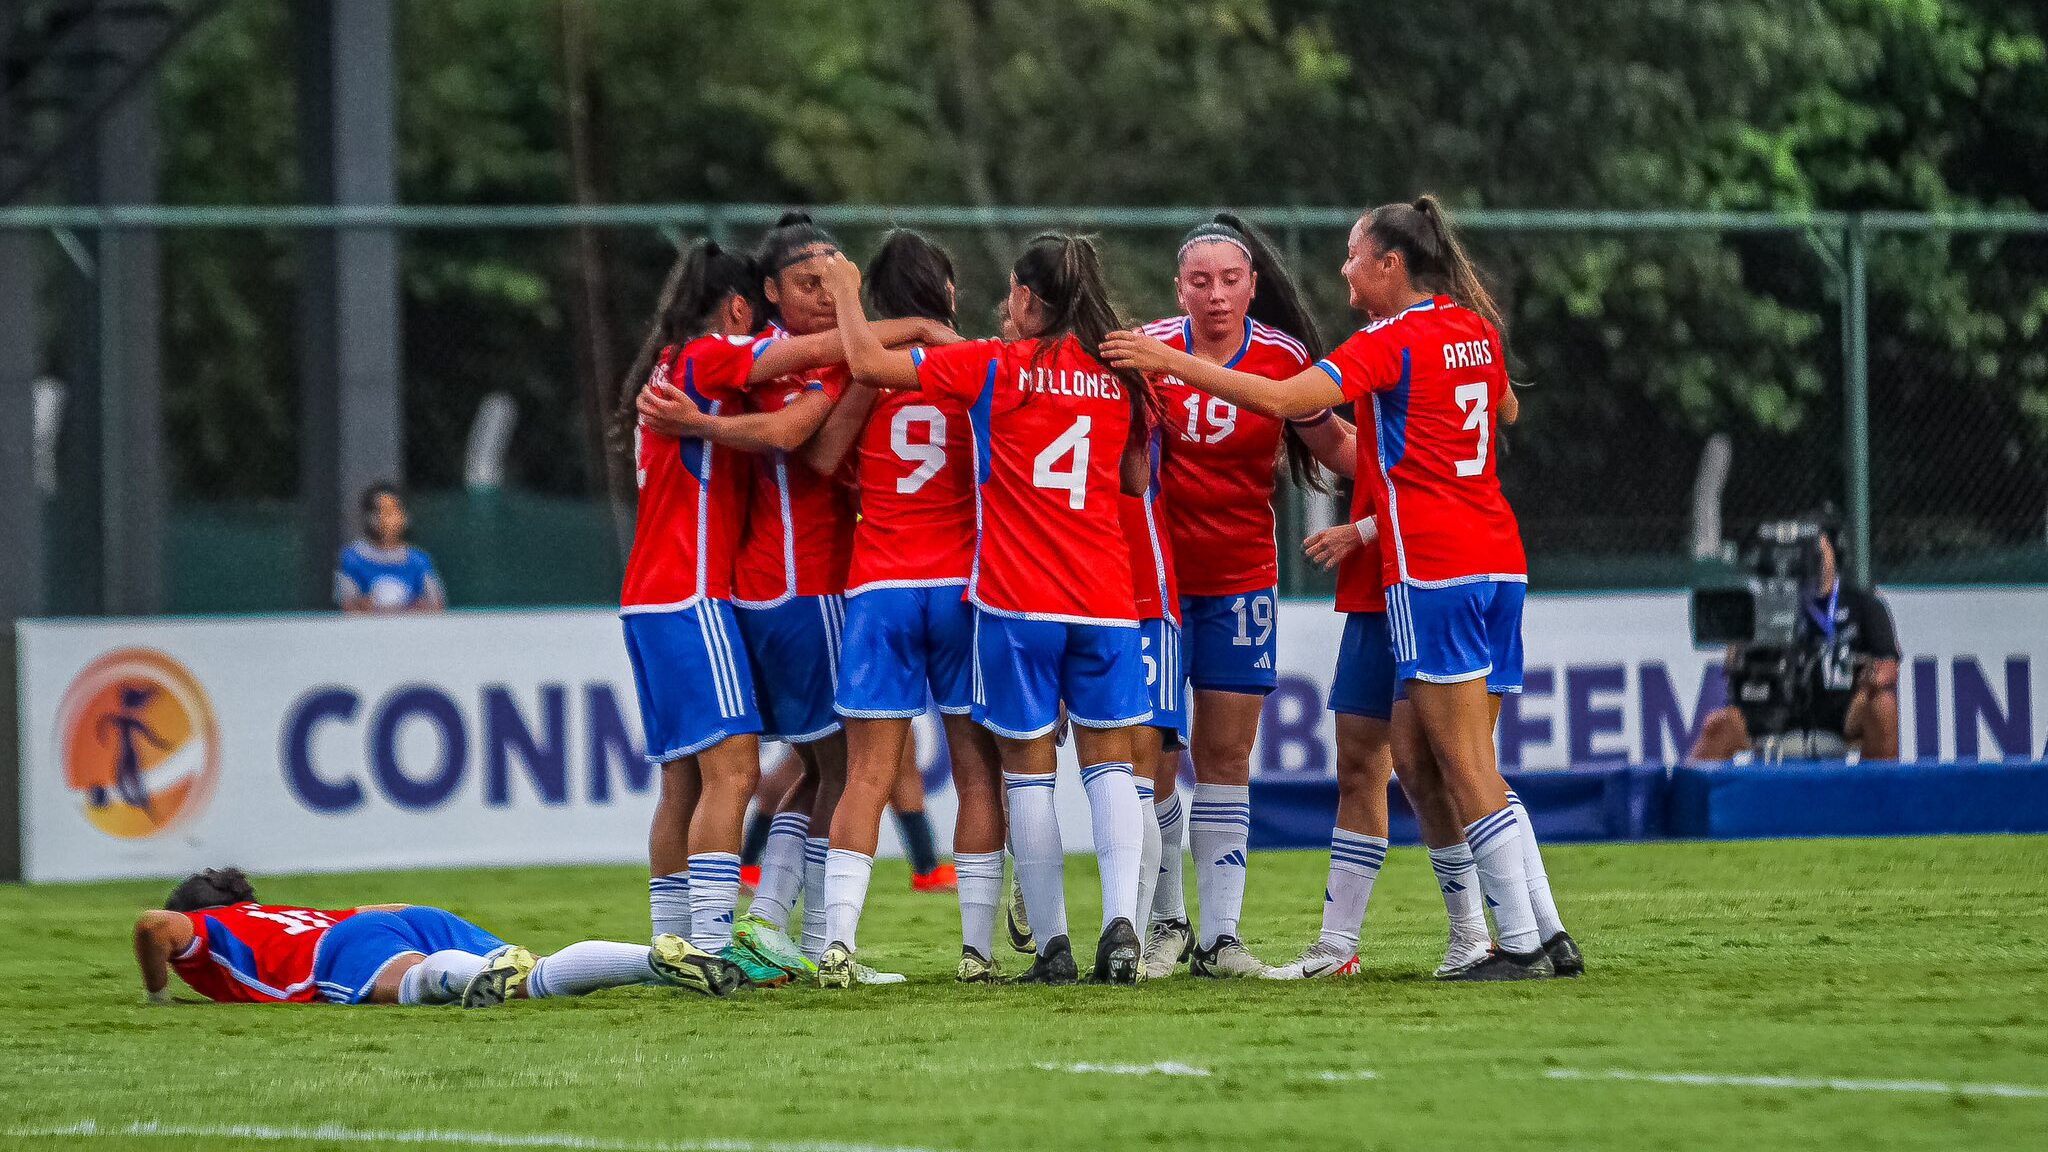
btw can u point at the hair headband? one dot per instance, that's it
(811, 250)
(1218, 237)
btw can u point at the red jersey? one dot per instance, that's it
(1049, 441)
(1435, 375)
(1146, 527)
(255, 953)
(1359, 575)
(693, 493)
(916, 468)
(1221, 466)
(799, 535)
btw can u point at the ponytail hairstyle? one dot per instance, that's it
(1065, 273)
(698, 285)
(910, 276)
(1422, 233)
(1276, 304)
(794, 239)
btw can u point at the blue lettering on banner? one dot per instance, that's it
(505, 735)
(1515, 731)
(433, 706)
(312, 709)
(1290, 739)
(611, 739)
(2011, 726)
(1585, 720)
(1663, 716)
(1927, 708)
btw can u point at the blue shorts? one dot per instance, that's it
(905, 647)
(1230, 642)
(1159, 642)
(794, 647)
(356, 951)
(1463, 632)
(1364, 684)
(1024, 669)
(694, 681)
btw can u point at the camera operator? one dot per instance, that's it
(1851, 688)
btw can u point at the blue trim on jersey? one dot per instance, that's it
(696, 454)
(1187, 340)
(1330, 370)
(1392, 409)
(978, 416)
(237, 957)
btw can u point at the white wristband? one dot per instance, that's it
(1368, 529)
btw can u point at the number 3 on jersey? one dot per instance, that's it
(1046, 471)
(1471, 400)
(929, 456)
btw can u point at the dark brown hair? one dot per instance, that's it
(699, 283)
(1422, 233)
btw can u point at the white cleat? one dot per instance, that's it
(1322, 959)
(1227, 959)
(1464, 950)
(1169, 945)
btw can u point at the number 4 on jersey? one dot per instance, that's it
(1046, 471)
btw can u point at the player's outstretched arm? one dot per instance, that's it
(159, 935)
(671, 413)
(872, 363)
(1304, 394)
(804, 353)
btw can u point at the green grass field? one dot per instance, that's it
(1875, 962)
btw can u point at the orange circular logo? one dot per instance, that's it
(140, 747)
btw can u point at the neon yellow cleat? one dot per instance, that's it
(504, 974)
(681, 964)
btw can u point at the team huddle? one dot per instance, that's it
(1065, 533)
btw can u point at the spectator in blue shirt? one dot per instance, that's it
(381, 572)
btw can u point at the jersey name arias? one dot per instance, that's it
(1434, 376)
(1049, 439)
(1220, 466)
(799, 535)
(693, 493)
(255, 953)
(916, 468)
(1146, 527)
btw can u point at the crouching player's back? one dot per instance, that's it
(231, 948)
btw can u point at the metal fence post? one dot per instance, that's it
(1856, 398)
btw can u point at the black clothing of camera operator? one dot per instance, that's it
(1853, 686)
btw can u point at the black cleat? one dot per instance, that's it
(1116, 957)
(1500, 964)
(1564, 955)
(1055, 965)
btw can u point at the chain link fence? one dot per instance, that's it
(1650, 348)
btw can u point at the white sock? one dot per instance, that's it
(782, 868)
(1458, 879)
(714, 894)
(1219, 834)
(1118, 822)
(1496, 842)
(440, 978)
(846, 891)
(668, 898)
(981, 893)
(1041, 858)
(590, 966)
(1547, 920)
(1148, 856)
(1354, 864)
(815, 851)
(1169, 897)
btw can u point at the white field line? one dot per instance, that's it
(1344, 1077)
(1708, 1080)
(1163, 1068)
(442, 1137)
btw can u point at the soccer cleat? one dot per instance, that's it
(504, 974)
(837, 968)
(1227, 959)
(1500, 964)
(681, 964)
(771, 946)
(1321, 959)
(1018, 923)
(1463, 951)
(1117, 954)
(1171, 943)
(976, 968)
(759, 974)
(940, 879)
(1564, 955)
(1055, 965)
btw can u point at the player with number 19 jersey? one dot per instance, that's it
(1219, 474)
(1051, 574)
(1451, 552)
(909, 627)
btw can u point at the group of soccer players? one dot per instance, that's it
(1063, 533)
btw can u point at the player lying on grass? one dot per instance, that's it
(231, 949)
